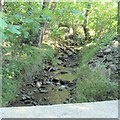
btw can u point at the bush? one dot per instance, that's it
(94, 86)
(22, 65)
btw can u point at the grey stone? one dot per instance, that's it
(24, 98)
(27, 101)
(34, 103)
(113, 67)
(43, 91)
(100, 54)
(109, 58)
(107, 50)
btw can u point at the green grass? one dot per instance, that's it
(94, 85)
(9, 90)
(66, 77)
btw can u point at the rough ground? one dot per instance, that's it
(105, 109)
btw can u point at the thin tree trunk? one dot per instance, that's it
(118, 28)
(85, 24)
(1, 5)
(42, 24)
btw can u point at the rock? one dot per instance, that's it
(100, 54)
(65, 60)
(113, 67)
(70, 53)
(30, 84)
(73, 64)
(65, 102)
(17, 95)
(64, 82)
(22, 91)
(32, 97)
(27, 101)
(43, 91)
(45, 98)
(52, 69)
(38, 84)
(36, 90)
(53, 88)
(60, 89)
(118, 67)
(107, 50)
(43, 87)
(34, 103)
(55, 80)
(57, 83)
(24, 98)
(30, 93)
(28, 97)
(117, 56)
(59, 62)
(113, 77)
(109, 58)
(63, 72)
(48, 82)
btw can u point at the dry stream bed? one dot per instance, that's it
(56, 85)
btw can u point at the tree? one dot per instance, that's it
(85, 24)
(118, 28)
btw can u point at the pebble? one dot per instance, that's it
(43, 91)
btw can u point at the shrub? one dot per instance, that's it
(94, 86)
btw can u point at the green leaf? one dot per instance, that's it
(18, 16)
(47, 12)
(76, 12)
(14, 29)
(3, 24)
(82, 17)
(26, 34)
(28, 20)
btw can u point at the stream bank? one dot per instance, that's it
(55, 85)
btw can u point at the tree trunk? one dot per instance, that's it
(42, 24)
(1, 5)
(85, 24)
(118, 28)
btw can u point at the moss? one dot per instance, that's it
(66, 77)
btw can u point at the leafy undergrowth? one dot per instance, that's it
(93, 85)
(26, 62)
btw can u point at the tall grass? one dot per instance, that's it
(93, 85)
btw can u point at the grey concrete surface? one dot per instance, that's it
(105, 109)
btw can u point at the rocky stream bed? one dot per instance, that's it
(55, 85)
